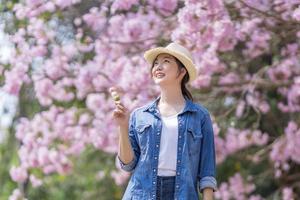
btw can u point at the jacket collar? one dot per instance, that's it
(152, 107)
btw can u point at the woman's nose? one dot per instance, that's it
(159, 66)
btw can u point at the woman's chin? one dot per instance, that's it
(161, 82)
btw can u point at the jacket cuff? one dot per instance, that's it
(129, 166)
(208, 182)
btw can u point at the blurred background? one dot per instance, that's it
(59, 57)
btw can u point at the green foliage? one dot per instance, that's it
(82, 182)
(8, 158)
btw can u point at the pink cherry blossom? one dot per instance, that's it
(245, 51)
(166, 7)
(35, 181)
(236, 188)
(17, 195)
(287, 193)
(18, 174)
(123, 4)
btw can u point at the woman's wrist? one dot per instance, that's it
(208, 194)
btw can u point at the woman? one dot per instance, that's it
(168, 144)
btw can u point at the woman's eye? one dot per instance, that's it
(156, 63)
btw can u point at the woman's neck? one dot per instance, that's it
(171, 95)
(172, 99)
(171, 102)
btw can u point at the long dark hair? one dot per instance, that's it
(185, 92)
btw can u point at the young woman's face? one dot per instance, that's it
(165, 70)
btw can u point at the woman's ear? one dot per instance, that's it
(183, 70)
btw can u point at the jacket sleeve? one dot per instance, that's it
(134, 144)
(207, 168)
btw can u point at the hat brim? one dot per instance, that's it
(151, 54)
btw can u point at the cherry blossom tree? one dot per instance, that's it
(67, 54)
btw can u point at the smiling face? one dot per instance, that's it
(165, 70)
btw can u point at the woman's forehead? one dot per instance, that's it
(164, 55)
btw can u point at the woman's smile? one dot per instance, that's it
(159, 75)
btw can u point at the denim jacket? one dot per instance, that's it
(196, 165)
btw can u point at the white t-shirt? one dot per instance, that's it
(168, 146)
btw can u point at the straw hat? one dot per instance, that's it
(178, 51)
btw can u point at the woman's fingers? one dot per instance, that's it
(120, 109)
(119, 105)
(118, 113)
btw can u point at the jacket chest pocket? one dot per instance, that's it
(143, 134)
(194, 140)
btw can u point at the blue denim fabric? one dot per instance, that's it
(165, 187)
(196, 165)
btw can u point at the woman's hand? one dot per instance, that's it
(121, 113)
(121, 116)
